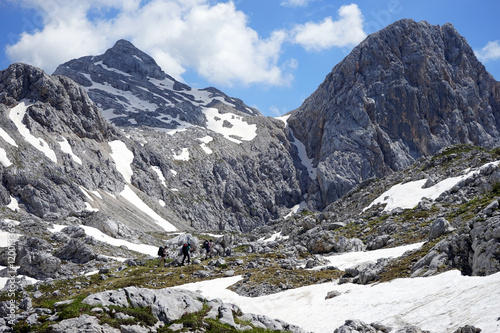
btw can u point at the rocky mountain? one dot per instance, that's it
(110, 157)
(199, 158)
(404, 92)
(132, 90)
(219, 164)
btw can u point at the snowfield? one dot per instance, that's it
(438, 304)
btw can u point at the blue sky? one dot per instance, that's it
(271, 53)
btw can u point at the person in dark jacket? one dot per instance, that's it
(162, 255)
(186, 248)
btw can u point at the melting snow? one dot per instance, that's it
(275, 236)
(111, 69)
(65, 147)
(100, 236)
(296, 209)
(231, 126)
(183, 156)
(4, 159)
(350, 259)
(306, 161)
(16, 115)
(438, 304)
(123, 158)
(130, 195)
(14, 204)
(160, 174)
(7, 137)
(408, 195)
(206, 140)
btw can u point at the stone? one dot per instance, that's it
(76, 251)
(82, 324)
(439, 227)
(332, 294)
(39, 265)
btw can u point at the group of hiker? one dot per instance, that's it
(186, 250)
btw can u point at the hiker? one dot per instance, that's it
(207, 245)
(186, 248)
(162, 252)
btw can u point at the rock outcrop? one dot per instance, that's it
(404, 92)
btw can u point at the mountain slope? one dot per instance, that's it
(59, 155)
(221, 164)
(405, 92)
(235, 172)
(133, 90)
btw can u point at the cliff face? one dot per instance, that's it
(405, 92)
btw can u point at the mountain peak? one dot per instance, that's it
(404, 92)
(124, 56)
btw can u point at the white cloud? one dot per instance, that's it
(490, 52)
(295, 3)
(346, 31)
(215, 40)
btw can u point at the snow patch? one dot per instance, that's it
(296, 209)
(274, 237)
(4, 135)
(66, 147)
(4, 159)
(350, 259)
(230, 125)
(16, 115)
(183, 156)
(435, 304)
(130, 195)
(123, 158)
(204, 141)
(408, 195)
(14, 204)
(111, 69)
(100, 236)
(306, 161)
(157, 170)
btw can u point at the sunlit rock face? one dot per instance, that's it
(405, 92)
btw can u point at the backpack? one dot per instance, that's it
(205, 245)
(160, 251)
(185, 249)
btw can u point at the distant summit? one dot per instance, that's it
(133, 90)
(125, 57)
(405, 92)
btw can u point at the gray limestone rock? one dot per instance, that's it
(387, 104)
(39, 265)
(439, 227)
(76, 251)
(82, 324)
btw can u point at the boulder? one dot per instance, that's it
(468, 329)
(39, 265)
(27, 245)
(486, 247)
(167, 305)
(74, 231)
(439, 227)
(76, 251)
(84, 323)
(353, 326)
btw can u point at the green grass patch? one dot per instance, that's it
(401, 267)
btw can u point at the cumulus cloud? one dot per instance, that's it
(490, 52)
(212, 38)
(215, 40)
(295, 3)
(346, 31)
